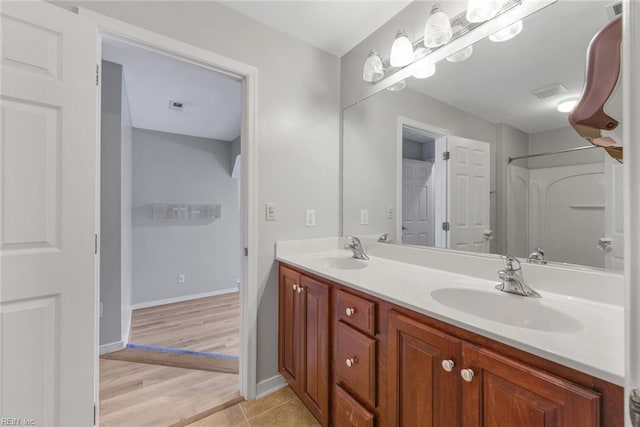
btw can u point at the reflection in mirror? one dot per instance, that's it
(478, 157)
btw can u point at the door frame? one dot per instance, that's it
(111, 28)
(437, 133)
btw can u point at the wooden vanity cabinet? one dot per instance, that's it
(304, 330)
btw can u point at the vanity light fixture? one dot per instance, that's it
(461, 55)
(507, 33)
(373, 67)
(483, 10)
(437, 31)
(397, 87)
(567, 105)
(425, 72)
(401, 51)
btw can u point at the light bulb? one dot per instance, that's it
(401, 51)
(438, 30)
(507, 33)
(396, 87)
(373, 68)
(425, 72)
(461, 55)
(483, 10)
(567, 106)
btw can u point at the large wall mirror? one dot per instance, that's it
(479, 158)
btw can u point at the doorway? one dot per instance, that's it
(172, 231)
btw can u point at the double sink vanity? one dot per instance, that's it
(408, 337)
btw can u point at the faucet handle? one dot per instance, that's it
(511, 263)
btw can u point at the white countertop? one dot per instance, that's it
(591, 342)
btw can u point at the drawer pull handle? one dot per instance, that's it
(350, 362)
(350, 311)
(448, 365)
(467, 375)
(295, 286)
(300, 289)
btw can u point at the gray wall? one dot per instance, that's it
(298, 130)
(115, 206)
(170, 168)
(560, 139)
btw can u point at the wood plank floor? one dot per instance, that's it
(142, 394)
(206, 324)
(190, 361)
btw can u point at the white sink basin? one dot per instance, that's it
(345, 263)
(514, 310)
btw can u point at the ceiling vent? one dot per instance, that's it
(614, 9)
(176, 105)
(548, 91)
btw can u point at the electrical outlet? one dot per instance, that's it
(238, 283)
(364, 217)
(389, 212)
(311, 217)
(270, 212)
(181, 278)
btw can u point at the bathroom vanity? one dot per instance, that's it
(387, 343)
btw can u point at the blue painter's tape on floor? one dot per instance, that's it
(181, 351)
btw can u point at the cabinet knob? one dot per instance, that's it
(295, 286)
(300, 289)
(467, 375)
(350, 311)
(448, 365)
(350, 362)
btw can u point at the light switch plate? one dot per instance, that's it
(364, 217)
(270, 211)
(311, 218)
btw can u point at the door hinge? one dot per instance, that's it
(97, 74)
(446, 226)
(246, 251)
(95, 244)
(446, 155)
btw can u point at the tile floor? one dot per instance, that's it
(279, 409)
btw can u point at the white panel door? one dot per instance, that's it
(468, 194)
(47, 215)
(613, 239)
(417, 203)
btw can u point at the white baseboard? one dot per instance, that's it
(270, 385)
(183, 298)
(111, 347)
(127, 330)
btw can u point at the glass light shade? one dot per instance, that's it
(461, 55)
(396, 87)
(425, 72)
(401, 51)
(507, 33)
(567, 106)
(373, 68)
(438, 30)
(483, 10)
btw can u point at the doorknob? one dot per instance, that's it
(634, 407)
(488, 234)
(604, 243)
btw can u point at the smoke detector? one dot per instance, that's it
(176, 105)
(550, 90)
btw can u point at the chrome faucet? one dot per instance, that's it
(512, 279)
(356, 247)
(537, 257)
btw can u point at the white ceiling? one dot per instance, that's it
(497, 81)
(334, 26)
(212, 100)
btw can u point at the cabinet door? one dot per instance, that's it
(506, 393)
(289, 327)
(315, 348)
(421, 392)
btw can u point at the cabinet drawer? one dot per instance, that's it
(356, 362)
(356, 311)
(350, 413)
